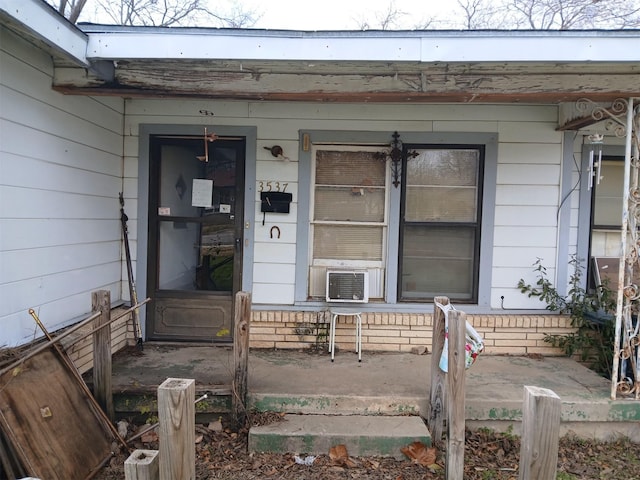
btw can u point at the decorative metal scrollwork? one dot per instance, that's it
(396, 154)
(622, 118)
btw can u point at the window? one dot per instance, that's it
(606, 222)
(440, 223)
(348, 214)
(606, 209)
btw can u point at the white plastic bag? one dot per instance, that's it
(474, 344)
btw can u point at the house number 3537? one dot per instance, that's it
(272, 186)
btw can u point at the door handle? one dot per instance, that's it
(238, 244)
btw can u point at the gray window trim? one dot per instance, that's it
(490, 140)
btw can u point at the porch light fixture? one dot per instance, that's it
(396, 154)
(595, 158)
(277, 152)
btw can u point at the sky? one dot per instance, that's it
(341, 14)
(324, 14)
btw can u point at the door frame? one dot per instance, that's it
(141, 251)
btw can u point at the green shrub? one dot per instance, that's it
(591, 314)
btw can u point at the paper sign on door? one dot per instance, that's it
(202, 193)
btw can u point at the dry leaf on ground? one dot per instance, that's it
(339, 456)
(419, 453)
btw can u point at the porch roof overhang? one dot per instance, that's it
(368, 66)
(541, 67)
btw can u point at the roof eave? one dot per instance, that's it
(38, 20)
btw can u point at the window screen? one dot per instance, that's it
(348, 224)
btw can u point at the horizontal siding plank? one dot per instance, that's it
(521, 174)
(529, 132)
(508, 277)
(465, 126)
(20, 48)
(18, 265)
(35, 84)
(41, 116)
(29, 173)
(22, 295)
(402, 112)
(268, 293)
(274, 252)
(532, 153)
(55, 314)
(527, 195)
(505, 236)
(521, 256)
(28, 203)
(56, 150)
(274, 273)
(148, 107)
(542, 216)
(49, 232)
(278, 171)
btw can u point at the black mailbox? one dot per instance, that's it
(275, 202)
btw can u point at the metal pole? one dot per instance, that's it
(620, 302)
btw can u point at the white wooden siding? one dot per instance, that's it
(61, 171)
(529, 169)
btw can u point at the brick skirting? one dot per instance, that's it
(403, 332)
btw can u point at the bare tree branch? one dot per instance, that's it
(162, 12)
(575, 14)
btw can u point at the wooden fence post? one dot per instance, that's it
(438, 388)
(177, 434)
(242, 320)
(455, 396)
(142, 465)
(101, 302)
(540, 434)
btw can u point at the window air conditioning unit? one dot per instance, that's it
(347, 286)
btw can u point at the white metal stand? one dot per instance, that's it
(332, 332)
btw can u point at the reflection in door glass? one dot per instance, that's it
(177, 270)
(215, 271)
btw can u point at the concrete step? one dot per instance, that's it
(336, 404)
(363, 435)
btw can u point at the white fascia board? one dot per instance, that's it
(532, 49)
(511, 46)
(45, 23)
(114, 46)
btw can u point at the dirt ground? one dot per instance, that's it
(488, 456)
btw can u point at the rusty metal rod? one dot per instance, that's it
(155, 425)
(44, 346)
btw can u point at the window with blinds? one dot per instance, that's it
(349, 211)
(440, 224)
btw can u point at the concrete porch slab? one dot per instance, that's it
(293, 381)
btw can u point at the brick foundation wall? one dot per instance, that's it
(403, 332)
(79, 345)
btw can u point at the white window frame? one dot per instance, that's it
(376, 268)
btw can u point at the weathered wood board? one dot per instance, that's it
(46, 416)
